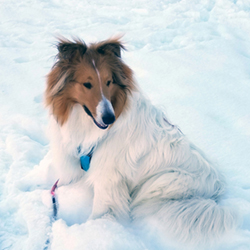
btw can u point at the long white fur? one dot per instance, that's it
(143, 169)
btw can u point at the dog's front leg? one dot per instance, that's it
(111, 196)
(100, 208)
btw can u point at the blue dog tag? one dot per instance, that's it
(85, 161)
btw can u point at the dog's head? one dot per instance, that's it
(93, 76)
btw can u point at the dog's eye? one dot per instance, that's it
(108, 83)
(88, 85)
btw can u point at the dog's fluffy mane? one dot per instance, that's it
(70, 54)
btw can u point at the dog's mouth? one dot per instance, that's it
(99, 125)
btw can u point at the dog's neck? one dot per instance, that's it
(79, 132)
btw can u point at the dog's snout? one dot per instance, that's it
(108, 118)
(105, 113)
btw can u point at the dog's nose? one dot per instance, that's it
(108, 118)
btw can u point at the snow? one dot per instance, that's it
(190, 57)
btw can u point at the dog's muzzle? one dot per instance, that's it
(105, 114)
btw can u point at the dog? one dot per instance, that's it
(142, 168)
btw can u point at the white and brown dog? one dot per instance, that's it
(142, 167)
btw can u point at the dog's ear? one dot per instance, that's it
(70, 50)
(111, 47)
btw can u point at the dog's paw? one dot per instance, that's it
(94, 216)
(99, 209)
(99, 213)
(107, 215)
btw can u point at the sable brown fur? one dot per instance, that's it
(74, 61)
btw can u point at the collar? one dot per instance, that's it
(85, 159)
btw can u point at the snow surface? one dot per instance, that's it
(192, 57)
